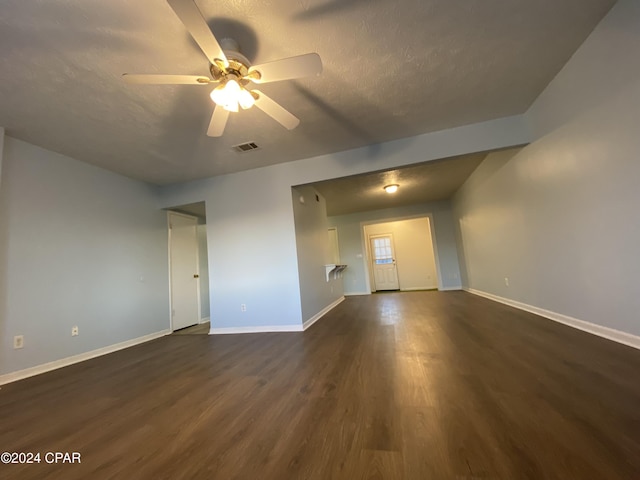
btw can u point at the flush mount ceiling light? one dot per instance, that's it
(393, 188)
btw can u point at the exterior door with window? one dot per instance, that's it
(385, 273)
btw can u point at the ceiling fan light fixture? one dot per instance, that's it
(227, 95)
(230, 94)
(231, 107)
(232, 87)
(393, 188)
(245, 99)
(219, 96)
(233, 71)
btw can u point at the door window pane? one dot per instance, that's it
(382, 251)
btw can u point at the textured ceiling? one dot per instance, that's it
(427, 182)
(391, 70)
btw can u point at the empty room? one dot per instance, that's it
(326, 239)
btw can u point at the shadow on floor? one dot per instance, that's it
(200, 329)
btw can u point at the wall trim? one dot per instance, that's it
(322, 313)
(353, 294)
(415, 289)
(65, 362)
(609, 333)
(257, 329)
(450, 289)
(205, 319)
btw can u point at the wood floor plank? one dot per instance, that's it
(416, 385)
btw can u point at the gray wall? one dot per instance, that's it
(250, 227)
(1, 150)
(350, 239)
(560, 217)
(78, 246)
(312, 246)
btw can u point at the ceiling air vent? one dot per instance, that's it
(245, 147)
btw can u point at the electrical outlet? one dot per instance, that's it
(243, 308)
(18, 341)
(74, 331)
(506, 281)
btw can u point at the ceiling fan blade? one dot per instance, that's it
(288, 68)
(218, 122)
(144, 79)
(275, 111)
(188, 12)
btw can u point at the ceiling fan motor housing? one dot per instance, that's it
(238, 63)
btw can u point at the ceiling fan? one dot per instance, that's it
(232, 72)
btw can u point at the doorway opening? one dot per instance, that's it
(401, 255)
(188, 269)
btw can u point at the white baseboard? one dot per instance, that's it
(415, 289)
(258, 329)
(353, 294)
(205, 320)
(322, 313)
(449, 289)
(605, 332)
(64, 362)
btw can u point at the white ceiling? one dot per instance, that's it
(422, 183)
(391, 70)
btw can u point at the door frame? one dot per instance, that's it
(365, 247)
(178, 214)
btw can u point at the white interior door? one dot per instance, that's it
(183, 253)
(385, 273)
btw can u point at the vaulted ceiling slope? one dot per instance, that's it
(391, 70)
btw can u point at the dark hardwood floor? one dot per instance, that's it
(421, 385)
